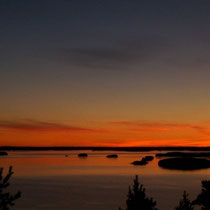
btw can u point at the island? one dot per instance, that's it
(112, 156)
(143, 161)
(3, 153)
(82, 155)
(184, 163)
(148, 158)
(183, 154)
(140, 162)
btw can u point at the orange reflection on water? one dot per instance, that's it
(56, 164)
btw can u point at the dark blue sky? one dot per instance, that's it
(121, 59)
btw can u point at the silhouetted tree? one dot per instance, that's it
(185, 203)
(6, 199)
(137, 199)
(203, 198)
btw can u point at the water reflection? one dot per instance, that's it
(51, 179)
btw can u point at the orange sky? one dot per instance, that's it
(114, 133)
(86, 73)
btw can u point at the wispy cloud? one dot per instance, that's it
(33, 125)
(115, 54)
(146, 126)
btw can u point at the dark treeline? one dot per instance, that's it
(132, 149)
(183, 154)
(136, 197)
(138, 200)
(6, 198)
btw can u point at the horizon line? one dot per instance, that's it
(100, 148)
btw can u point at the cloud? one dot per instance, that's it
(149, 126)
(114, 54)
(33, 125)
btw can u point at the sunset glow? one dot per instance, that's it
(121, 133)
(104, 73)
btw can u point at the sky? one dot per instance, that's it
(104, 73)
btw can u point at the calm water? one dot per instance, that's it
(51, 181)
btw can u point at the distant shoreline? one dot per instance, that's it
(130, 149)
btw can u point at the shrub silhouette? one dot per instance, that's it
(137, 199)
(185, 203)
(6, 199)
(203, 198)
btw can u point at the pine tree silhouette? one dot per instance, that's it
(137, 199)
(6, 199)
(185, 203)
(203, 198)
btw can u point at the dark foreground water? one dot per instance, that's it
(51, 181)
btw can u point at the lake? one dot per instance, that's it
(51, 181)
